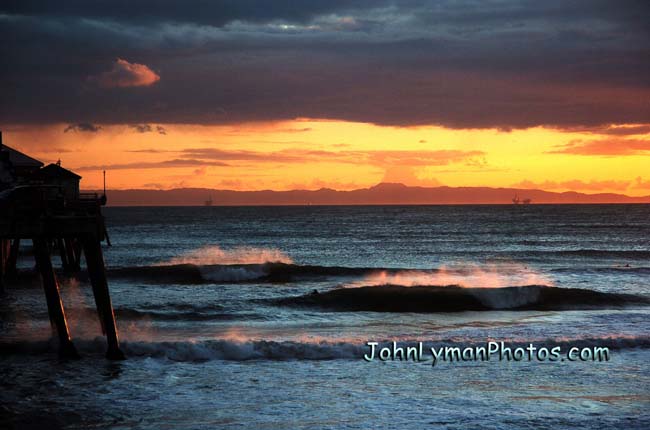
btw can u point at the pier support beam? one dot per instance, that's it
(65, 264)
(4, 261)
(97, 273)
(73, 253)
(13, 257)
(8, 259)
(53, 298)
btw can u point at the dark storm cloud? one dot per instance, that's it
(148, 128)
(204, 12)
(141, 128)
(613, 130)
(83, 127)
(498, 64)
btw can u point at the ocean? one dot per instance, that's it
(260, 317)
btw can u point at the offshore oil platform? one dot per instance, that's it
(516, 200)
(43, 204)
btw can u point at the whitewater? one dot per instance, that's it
(259, 317)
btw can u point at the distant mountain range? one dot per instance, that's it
(381, 194)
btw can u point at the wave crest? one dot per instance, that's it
(268, 272)
(214, 255)
(453, 298)
(496, 275)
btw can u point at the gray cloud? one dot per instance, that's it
(83, 127)
(141, 128)
(502, 64)
(614, 130)
(204, 12)
(148, 128)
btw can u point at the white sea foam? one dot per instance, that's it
(236, 349)
(468, 275)
(215, 255)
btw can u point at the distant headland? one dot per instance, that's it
(381, 194)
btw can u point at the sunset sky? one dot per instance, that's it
(258, 94)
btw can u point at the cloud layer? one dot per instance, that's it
(85, 127)
(221, 157)
(498, 63)
(605, 147)
(586, 186)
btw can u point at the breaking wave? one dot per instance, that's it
(467, 275)
(209, 264)
(269, 272)
(244, 350)
(214, 255)
(453, 298)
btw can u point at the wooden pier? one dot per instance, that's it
(55, 216)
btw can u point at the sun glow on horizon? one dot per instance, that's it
(313, 154)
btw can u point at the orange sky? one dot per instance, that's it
(282, 95)
(310, 154)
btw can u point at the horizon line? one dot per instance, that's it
(370, 187)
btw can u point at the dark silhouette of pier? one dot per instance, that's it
(44, 205)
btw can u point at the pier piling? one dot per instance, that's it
(53, 298)
(97, 273)
(63, 255)
(4, 261)
(44, 204)
(10, 268)
(72, 254)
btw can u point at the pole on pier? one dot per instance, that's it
(4, 260)
(4, 253)
(72, 255)
(13, 257)
(97, 273)
(76, 250)
(53, 298)
(65, 264)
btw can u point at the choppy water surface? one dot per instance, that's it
(218, 315)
